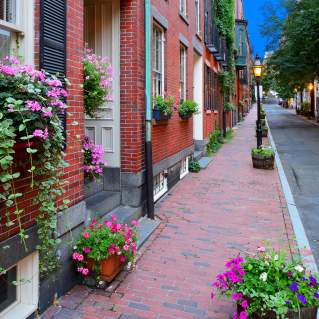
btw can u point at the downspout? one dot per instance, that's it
(148, 112)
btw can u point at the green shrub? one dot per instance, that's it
(187, 107)
(229, 107)
(215, 141)
(193, 166)
(165, 105)
(263, 151)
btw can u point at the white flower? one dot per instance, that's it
(299, 268)
(263, 276)
(276, 257)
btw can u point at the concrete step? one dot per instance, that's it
(101, 203)
(204, 162)
(124, 214)
(198, 155)
(146, 228)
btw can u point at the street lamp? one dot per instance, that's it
(258, 70)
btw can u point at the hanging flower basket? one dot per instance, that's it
(159, 115)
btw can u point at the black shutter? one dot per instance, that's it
(53, 40)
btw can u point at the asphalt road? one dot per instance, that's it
(297, 142)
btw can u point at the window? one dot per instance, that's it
(197, 17)
(158, 61)
(159, 185)
(16, 29)
(19, 289)
(211, 89)
(184, 167)
(182, 7)
(182, 73)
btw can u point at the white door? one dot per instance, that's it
(102, 34)
(198, 96)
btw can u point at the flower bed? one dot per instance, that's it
(267, 285)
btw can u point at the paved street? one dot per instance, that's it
(207, 218)
(297, 141)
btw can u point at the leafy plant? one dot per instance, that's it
(31, 102)
(215, 141)
(97, 82)
(93, 159)
(229, 107)
(164, 104)
(267, 283)
(102, 240)
(187, 107)
(263, 151)
(193, 166)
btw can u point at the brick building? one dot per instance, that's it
(187, 53)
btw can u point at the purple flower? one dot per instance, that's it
(302, 298)
(294, 287)
(288, 302)
(33, 105)
(8, 70)
(313, 280)
(44, 134)
(316, 294)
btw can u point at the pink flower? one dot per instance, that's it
(33, 105)
(235, 316)
(86, 250)
(126, 247)
(80, 257)
(134, 222)
(108, 224)
(261, 249)
(86, 235)
(212, 295)
(80, 269)
(8, 70)
(122, 259)
(237, 296)
(243, 315)
(47, 113)
(44, 134)
(244, 304)
(114, 219)
(55, 83)
(75, 256)
(85, 272)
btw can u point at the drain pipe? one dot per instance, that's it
(148, 112)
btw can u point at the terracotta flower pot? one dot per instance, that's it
(109, 268)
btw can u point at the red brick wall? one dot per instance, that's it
(132, 85)
(74, 173)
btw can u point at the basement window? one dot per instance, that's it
(184, 167)
(159, 185)
(19, 289)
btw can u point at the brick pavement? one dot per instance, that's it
(207, 218)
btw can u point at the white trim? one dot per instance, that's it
(158, 195)
(197, 17)
(27, 289)
(182, 173)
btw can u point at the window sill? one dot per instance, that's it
(184, 18)
(10, 27)
(19, 310)
(199, 36)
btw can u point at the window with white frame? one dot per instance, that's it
(159, 185)
(197, 16)
(182, 72)
(158, 60)
(19, 288)
(182, 7)
(184, 167)
(16, 29)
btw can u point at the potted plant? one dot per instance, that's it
(266, 285)
(104, 248)
(263, 158)
(187, 109)
(194, 166)
(163, 108)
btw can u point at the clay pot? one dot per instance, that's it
(109, 268)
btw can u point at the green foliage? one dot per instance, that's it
(305, 109)
(193, 166)
(229, 107)
(263, 151)
(97, 83)
(187, 107)
(215, 141)
(30, 104)
(164, 104)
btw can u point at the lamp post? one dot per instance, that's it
(312, 98)
(258, 68)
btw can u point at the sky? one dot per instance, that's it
(254, 15)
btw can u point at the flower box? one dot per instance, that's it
(186, 116)
(109, 268)
(262, 161)
(159, 115)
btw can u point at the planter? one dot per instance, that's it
(158, 115)
(262, 116)
(186, 116)
(265, 132)
(305, 313)
(109, 268)
(263, 161)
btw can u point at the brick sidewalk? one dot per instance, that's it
(207, 218)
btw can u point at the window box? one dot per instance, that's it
(186, 116)
(159, 115)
